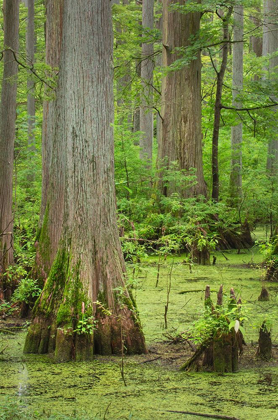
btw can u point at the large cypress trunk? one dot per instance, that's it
(7, 136)
(51, 216)
(85, 304)
(181, 137)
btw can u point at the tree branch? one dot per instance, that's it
(254, 108)
(29, 68)
(160, 116)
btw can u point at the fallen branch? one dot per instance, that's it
(183, 292)
(211, 416)
(150, 360)
(5, 331)
(2, 351)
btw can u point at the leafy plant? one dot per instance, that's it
(27, 291)
(6, 308)
(217, 321)
(85, 325)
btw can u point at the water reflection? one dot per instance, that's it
(22, 380)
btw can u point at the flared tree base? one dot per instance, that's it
(111, 335)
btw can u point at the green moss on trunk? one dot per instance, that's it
(225, 353)
(65, 324)
(33, 338)
(64, 345)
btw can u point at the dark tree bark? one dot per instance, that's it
(217, 106)
(264, 351)
(86, 284)
(7, 136)
(181, 137)
(256, 44)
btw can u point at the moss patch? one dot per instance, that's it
(87, 390)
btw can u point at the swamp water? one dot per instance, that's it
(33, 387)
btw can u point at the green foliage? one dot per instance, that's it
(7, 309)
(85, 325)
(133, 251)
(218, 321)
(27, 291)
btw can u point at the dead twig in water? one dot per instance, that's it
(2, 351)
(6, 331)
(150, 360)
(211, 416)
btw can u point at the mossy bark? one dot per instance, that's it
(61, 306)
(225, 353)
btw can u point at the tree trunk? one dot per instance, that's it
(217, 106)
(85, 304)
(136, 106)
(256, 44)
(270, 46)
(201, 257)
(225, 353)
(147, 66)
(181, 139)
(7, 136)
(30, 50)
(46, 249)
(124, 105)
(158, 64)
(236, 137)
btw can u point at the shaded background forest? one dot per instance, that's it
(158, 195)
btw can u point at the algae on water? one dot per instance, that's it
(95, 390)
